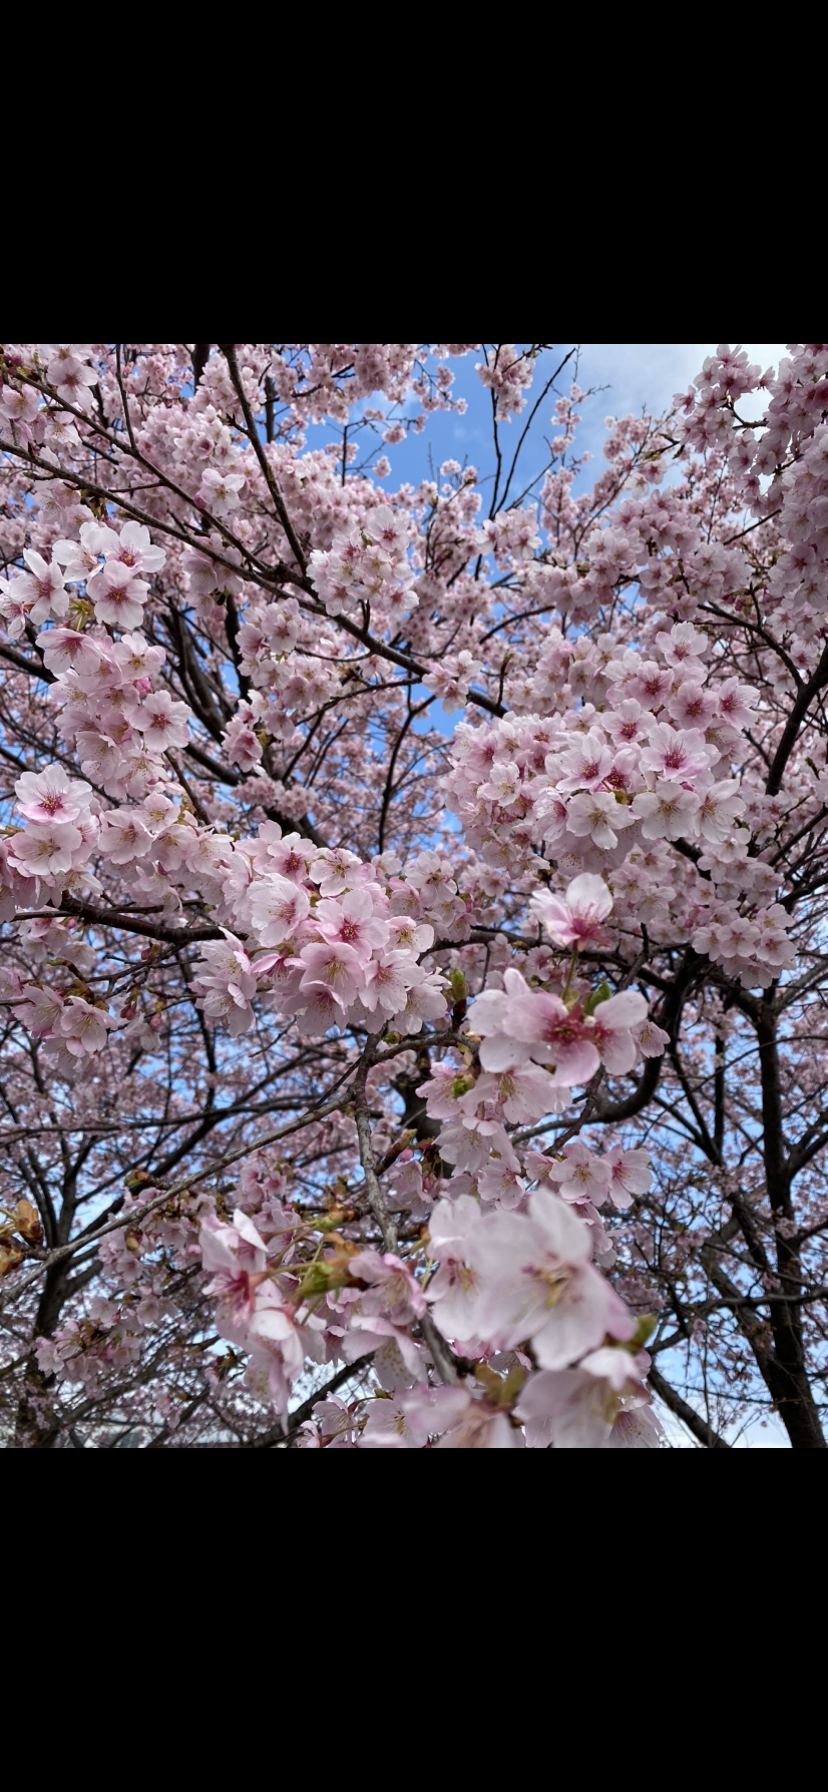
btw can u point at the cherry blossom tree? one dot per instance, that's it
(413, 904)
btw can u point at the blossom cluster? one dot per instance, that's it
(368, 564)
(612, 786)
(507, 1284)
(223, 839)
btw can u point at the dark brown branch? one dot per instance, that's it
(688, 1415)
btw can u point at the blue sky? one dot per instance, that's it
(632, 377)
(628, 377)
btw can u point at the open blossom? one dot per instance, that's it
(65, 648)
(456, 1285)
(67, 370)
(720, 806)
(387, 981)
(575, 919)
(20, 405)
(599, 815)
(478, 1426)
(452, 678)
(630, 1175)
(538, 1282)
(675, 754)
(40, 1011)
(579, 1408)
(290, 856)
(227, 984)
(52, 796)
(392, 1289)
(581, 1174)
(136, 658)
(124, 836)
(627, 724)
(236, 1257)
(556, 1035)
(41, 588)
(684, 648)
(136, 550)
(477, 1142)
(162, 720)
(518, 1023)
(81, 558)
(320, 1008)
(117, 595)
(498, 1183)
(524, 1093)
(612, 1026)
(350, 918)
(490, 1018)
(334, 965)
(425, 1000)
(334, 869)
(586, 765)
(651, 1039)
(667, 813)
(691, 706)
(429, 1412)
(409, 935)
(83, 1027)
(278, 908)
(220, 491)
(504, 785)
(406, 1419)
(46, 849)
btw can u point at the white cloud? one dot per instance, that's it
(646, 374)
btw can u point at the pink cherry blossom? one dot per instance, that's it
(581, 1174)
(455, 1286)
(578, 1408)
(42, 587)
(46, 848)
(600, 816)
(612, 1027)
(118, 596)
(557, 1036)
(575, 920)
(675, 754)
(64, 648)
(52, 796)
(667, 813)
(539, 1283)
(630, 1174)
(162, 721)
(236, 1257)
(335, 965)
(278, 908)
(351, 920)
(392, 1289)
(83, 1027)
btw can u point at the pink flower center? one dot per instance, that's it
(554, 1279)
(562, 1032)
